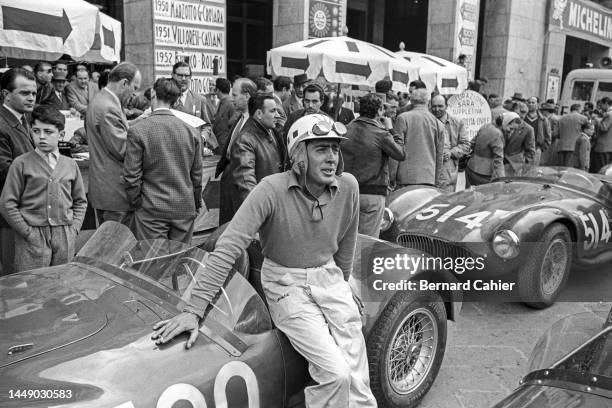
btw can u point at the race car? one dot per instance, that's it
(79, 335)
(570, 366)
(531, 227)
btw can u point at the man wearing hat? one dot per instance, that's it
(294, 102)
(550, 156)
(518, 97)
(307, 219)
(57, 98)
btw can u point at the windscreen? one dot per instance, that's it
(576, 343)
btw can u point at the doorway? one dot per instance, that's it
(406, 20)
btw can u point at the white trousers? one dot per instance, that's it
(315, 309)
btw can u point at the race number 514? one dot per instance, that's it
(596, 229)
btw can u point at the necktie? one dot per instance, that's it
(51, 160)
(24, 123)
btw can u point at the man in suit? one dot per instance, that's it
(80, 94)
(569, 131)
(189, 102)
(603, 142)
(19, 92)
(106, 127)
(43, 74)
(162, 170)
(58, 97)
(243, 90)
(225, 112)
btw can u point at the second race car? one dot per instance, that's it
(534, 226)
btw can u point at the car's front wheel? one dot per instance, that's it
(543, 275)
(406, 348)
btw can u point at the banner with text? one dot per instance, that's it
(582, 19)
(472, 109)
(466, 32)
(193, 31)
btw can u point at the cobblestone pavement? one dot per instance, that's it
(487, 351)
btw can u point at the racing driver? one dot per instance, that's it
(307, 218)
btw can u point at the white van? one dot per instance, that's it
(583, 85)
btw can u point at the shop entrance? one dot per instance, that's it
(580, 53)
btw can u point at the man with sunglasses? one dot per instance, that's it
(189, 102)
(44, 89)
(307, 219)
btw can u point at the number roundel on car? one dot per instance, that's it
(441, 213)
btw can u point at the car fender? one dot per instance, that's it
(367, 271)
(530, 225)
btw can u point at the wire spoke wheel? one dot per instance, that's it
(554, 265)
(413, 346)
(546, 268)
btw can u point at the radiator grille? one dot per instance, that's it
(433, 246)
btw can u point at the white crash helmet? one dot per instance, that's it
(315, 126)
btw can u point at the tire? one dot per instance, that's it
(545, 272)
(390, 328)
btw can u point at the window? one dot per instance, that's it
(582, 90)
(603, 89)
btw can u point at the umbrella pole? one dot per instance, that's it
(338, 103)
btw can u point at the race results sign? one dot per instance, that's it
(193, 31)
(473, 110)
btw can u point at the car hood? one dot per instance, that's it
(47, 309)
(484, 209)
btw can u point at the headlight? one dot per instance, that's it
(506, 244)
(387, 220)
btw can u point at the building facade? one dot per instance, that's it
(525, 46)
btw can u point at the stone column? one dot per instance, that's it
(289, 21)
(552, 62)
(441, 28)
(139, 37)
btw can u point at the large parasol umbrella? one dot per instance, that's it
(342, 60)
(47, 29)
(436, 72)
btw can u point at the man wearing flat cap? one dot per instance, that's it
(294, 102)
